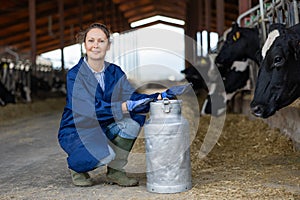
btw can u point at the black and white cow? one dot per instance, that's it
(196, 74)
(6, 96)
(240, 44)
(58, 85)
(235, 78)
(203, 76)
(233, 60)
(278, 82)
(39, 85)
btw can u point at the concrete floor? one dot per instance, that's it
(33, 166)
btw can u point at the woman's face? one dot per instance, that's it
(96, 44)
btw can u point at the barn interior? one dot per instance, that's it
(249, 157)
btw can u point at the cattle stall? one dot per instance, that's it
(249, 160)
(20, 83)
(277, 15)
(258, 18)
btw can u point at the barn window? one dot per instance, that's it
(157, 18)
(202, 40)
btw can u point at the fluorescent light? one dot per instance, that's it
(157, 18)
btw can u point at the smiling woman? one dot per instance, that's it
(96, 41)
(103, 114)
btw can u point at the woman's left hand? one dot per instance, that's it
(139, 106)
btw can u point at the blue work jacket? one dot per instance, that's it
(88, 109)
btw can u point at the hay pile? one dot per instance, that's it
(23, 110)
(249, 161)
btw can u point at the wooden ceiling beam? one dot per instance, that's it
(134, 13)
(142, 16)
(173, 6)
(41, 36)
(42, 22)
(171, 15)
(45, 38)
(168, 11)
(123, 1)
(131, 5)
(44, 44)
(118, 15)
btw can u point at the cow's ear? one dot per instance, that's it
(295, 46)
(280, 27)
(235, 25)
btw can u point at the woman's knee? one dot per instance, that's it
(129, 128)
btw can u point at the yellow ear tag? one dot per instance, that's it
(237, 34)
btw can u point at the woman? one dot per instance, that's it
(100, 122)
(102, 117)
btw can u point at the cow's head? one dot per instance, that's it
(278, 82)
(239, 44)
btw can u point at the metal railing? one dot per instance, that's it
(268, 12)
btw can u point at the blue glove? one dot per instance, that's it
(174, 91)
(139, 106)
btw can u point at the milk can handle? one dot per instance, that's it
(166, 105)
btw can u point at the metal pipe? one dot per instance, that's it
(15, 54)
(274, 6)
(296, 14)
(262, 15)
(241, 16)
(245, 14)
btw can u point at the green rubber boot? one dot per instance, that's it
(81, 179)
(115, 170)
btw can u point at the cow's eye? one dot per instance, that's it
(278, 61)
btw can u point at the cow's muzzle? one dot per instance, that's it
(257, 110)
(262, 111)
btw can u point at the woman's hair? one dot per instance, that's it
(81, 36)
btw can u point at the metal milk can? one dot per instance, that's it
(167, 138)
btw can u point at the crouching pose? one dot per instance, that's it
(103, 113)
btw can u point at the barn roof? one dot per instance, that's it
(117, 14)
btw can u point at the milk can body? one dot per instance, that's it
(167, 148)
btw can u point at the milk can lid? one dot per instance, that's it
(167, 104)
